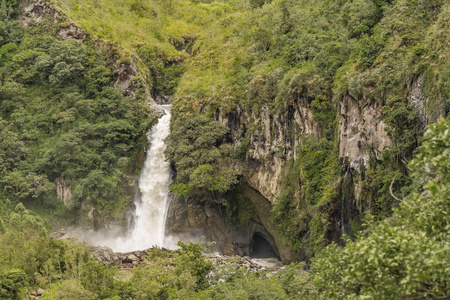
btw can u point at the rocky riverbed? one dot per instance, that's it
(132, 259)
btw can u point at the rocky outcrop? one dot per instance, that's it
(133, 259)
(417, 99)
(190, 220)
(127, 76)
(269, 140)
(35, 11)
(273, 139)
(233, 235)
(63, 190)
(72, 32)
(361, 132)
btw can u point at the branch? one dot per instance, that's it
(390, 189)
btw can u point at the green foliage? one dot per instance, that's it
(257, 3)
(378, 184)
(12, 284)
(241, 285)
(165, 73)
(304, 216)
(158, 280)
(405, 256)
(69, 290)
(189, 258)
(297, 283)
(59, 118)
(203, 164)
(402, 120)
(9, 31)
(29, 257)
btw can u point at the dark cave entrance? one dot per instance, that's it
(260, 247)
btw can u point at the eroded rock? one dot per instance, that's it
(361, 132)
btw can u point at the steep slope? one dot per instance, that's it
(70, 140)
(291, 120)
(324, 101)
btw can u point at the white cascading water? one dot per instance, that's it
(150, 215)
(154, 184)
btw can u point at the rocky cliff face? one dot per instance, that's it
(273, 140)
(127, 78)
(361, 132)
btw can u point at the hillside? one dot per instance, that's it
(316, 127)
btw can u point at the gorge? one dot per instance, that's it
(313, 131)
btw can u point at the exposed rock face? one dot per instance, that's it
(72, 32)
(273, 140)
(63, 190)
(417, 99)
(127, 75)
(36, 10)
(189, 221)
(163, 99)
(361, 132)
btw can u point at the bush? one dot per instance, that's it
(405, 256)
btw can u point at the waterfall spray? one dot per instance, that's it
(154, 187)
(151, 206)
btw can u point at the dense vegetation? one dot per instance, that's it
(62, 121)
(275, 55)
(404, 257)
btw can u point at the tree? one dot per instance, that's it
(202, 161)
(407, 256)
(12, 283)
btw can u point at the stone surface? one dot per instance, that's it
(34, 11)
(273, 140)
(63, 190)
(40, 292)
(417, 99)
(361, 132)
(135, 258)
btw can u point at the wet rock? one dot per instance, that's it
(163, 99)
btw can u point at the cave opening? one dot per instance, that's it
(261, 248)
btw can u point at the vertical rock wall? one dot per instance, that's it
(273, 139)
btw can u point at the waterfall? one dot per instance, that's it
(154, 187)
(150, 214)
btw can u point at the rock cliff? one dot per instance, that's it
(273, 145)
